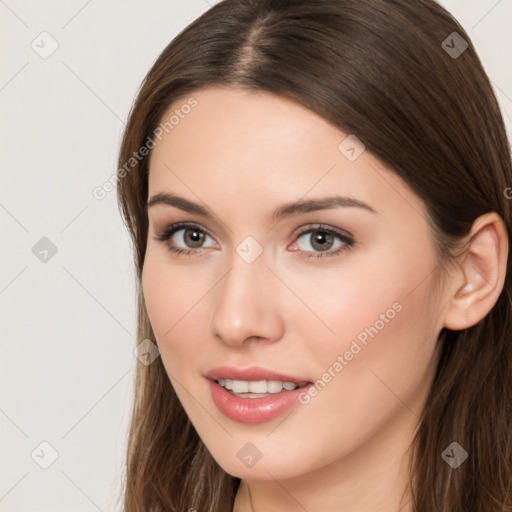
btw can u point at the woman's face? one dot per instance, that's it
(340, 294)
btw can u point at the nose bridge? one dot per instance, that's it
(245, 305)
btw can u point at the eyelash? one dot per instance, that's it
(344, 237)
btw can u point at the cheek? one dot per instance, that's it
(370, 333)
(381, 298)
(169, 292)
(340, 305)
(373, 374)
(160, 303)
(175, 302)
(379, 365)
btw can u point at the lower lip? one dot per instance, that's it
(254, 410)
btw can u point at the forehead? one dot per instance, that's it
(256, 149)
(232, 128)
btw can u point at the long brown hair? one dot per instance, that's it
(421, 102)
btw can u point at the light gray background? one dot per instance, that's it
(68, 324)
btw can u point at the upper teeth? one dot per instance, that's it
(257, 386)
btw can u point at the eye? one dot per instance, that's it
(321, 241)
(185, 238)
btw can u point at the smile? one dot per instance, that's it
(258, 388)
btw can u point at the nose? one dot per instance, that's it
(246, 305)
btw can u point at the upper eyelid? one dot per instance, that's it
(174, 227)
(322, 226)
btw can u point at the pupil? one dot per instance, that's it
(195, 239)
(322, 240)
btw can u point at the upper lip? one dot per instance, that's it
(250, 373)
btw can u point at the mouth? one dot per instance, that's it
(255, 394)
(258, 388)
(254, 381)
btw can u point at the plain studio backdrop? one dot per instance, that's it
(70, 71)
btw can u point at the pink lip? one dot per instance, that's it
(253, 410)
(250, 373)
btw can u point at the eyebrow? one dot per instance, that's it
(287, 210)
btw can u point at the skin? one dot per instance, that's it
(242, 155)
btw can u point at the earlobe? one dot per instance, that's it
(483, 268)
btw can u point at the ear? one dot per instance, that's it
(483, 268)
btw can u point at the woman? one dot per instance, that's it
(317, 195)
